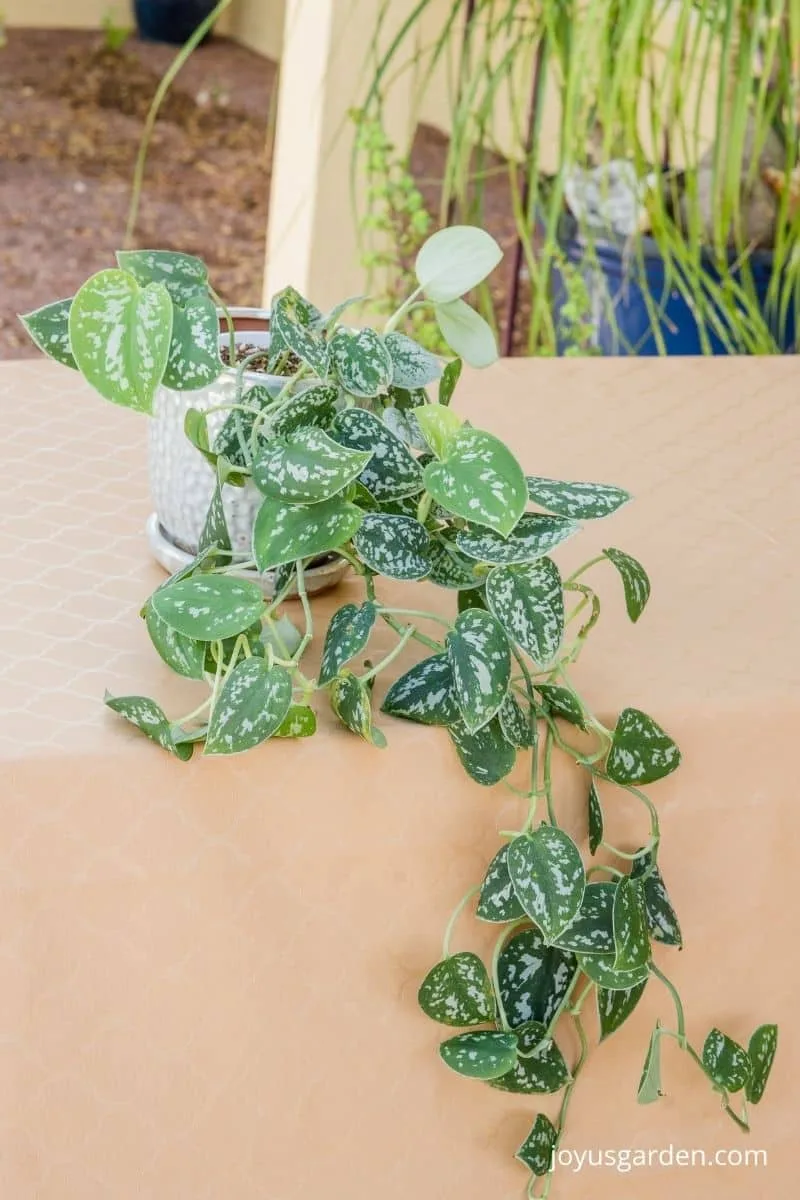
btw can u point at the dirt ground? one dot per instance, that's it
(71, 117)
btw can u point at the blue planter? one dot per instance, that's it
(172, 21)
(618, 281)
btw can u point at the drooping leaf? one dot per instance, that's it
(209, 607)
(614, 1008)
(149, 717)
(414, 367)
(595, 819)
(194, 360)
(458, 991)
(561, 702)
(534, 978)
(397, 547)
(449, 568)
(540, 1068)
(479, 480)
(480, 659)
(547, 872)
(483, 1055)
(450, 377)
(641, 752)
(600, 969)
(251, 706)
(391, 473)
(661, 917)
(635, 581)
(631, 939)
(485, 754)
(215, 527)
(286, 532)
(455, 260)
(120, 337)
(467, 333)
(311, 406)
(725, 1062)
(183, 655)
(518, 724)
(183, 275)
(534, 536)
(291, 320)
(348, 634)
(579, 501)
(592, 931)
(761, 1052)
(299, 722)
(362, 361)
(650, 1082)
(498, 901)
(439, 426)
(48, 328)
(536, 1152)
(529, 603)
(350, 700)
(306, 467)
(424, 694)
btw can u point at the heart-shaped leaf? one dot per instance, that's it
(641, 752)
(518, 724)
(290, 326)
(48, 327)
(299, 722)
(614, 1008)
(579, 501)
(635, 581)
(209, 607)
(534, 978)
(483, 1055)
(149, 717)
(439, 426)
(592, 931)
(534, 536)
(306, 467)
(391, 472)
(458, 991)
(120, 337)
(485, 754)
(467, 333)
(536, 1152)
(215, 528)
(528, 602)
(600, 969)
(348, 634)
(650, 1082)
(455, 260)
(761, 1053)
(449, 568)
(479, 480)
(561, 702)
(413, 366)
(362, 361)
(498, 901)
(183, 275)
(312, 406)
(251, 706)
(183, 655)
(631, 939)
(351, 702)
(450, 377)
(397, 547)
(285, 532)
(661, 918)
(595, 819)
(540, 1068)
(725, 1061)
(480, 659)
(194, 359)
(424, 694)
(547, 872)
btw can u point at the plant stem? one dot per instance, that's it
(391, 656)
(457, 911)
(418, 637)
(226, 312)
(307, 616)
(681, 1016)
(397, 316)
(414, 612)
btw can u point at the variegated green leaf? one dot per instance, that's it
(184, 655)
(48, 327)
(662, 920)
(299, 722)
(306, 467)
(485, 754)
(518, 724)
(450, 377)
(480, 659)
(534, 536)
(725, 1061)
(579, 501)
(635, 581)
(194, 359)
(595, 819)
(233, 439)
(391, 472)
(498, 901)
(631, 939)
(449, 568)
(592, 931)
(350, 701)
(285, 532)
(209, 607)
(120, 337)
(561, 702)
(614, 1008)
(348, 634)
(641, 752)
(424, 694)
(311, 406)
(454, 260)
(483, 1055)
(547, 872)
(536, 1152)
(479, 480)
(150, 719)
(397, 547)
(761, 1052)
(458, 991)
(183, 275)
(251, 706)
(528, 601)
(291, 327)
(362, 361)
(467, 334)
(540, 1068)
(413, 367)
(600, 969)
(215, 531)
(534, 978)
(650, 1082)
(439, 426)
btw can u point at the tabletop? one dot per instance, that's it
(161, 954)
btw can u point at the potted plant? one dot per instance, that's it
(351, 455)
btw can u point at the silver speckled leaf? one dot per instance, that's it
(348, 634)
(635, 581)
(482, 1055)
(48, 327)
(414, 367)
(183, 275)
(534, 978)
(534, 536)
(251, 706)
(641, 752)
(592, 930)
(480, 659)
(614, 1008)
(424, 694)
(458, 991)
(194, 359)
(547, 872)
(285, 532)
(528, 601)
(392, 471)
(361, 361)
(209, 607)
(150, 719)
(395, 546)
(498, 901)
(536, 1152)
(725, 1061)
(479, 480)
(580, 501)
(306, 467)
(485, 754)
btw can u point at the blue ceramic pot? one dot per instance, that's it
(172, 21)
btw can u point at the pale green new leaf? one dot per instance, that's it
(650, 1082)
(350, 700)
(455, 260)
(467, 334)
(439, 426)
(299, 722)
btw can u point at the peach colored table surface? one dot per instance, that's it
(208, 972)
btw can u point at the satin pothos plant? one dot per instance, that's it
(355, 457)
